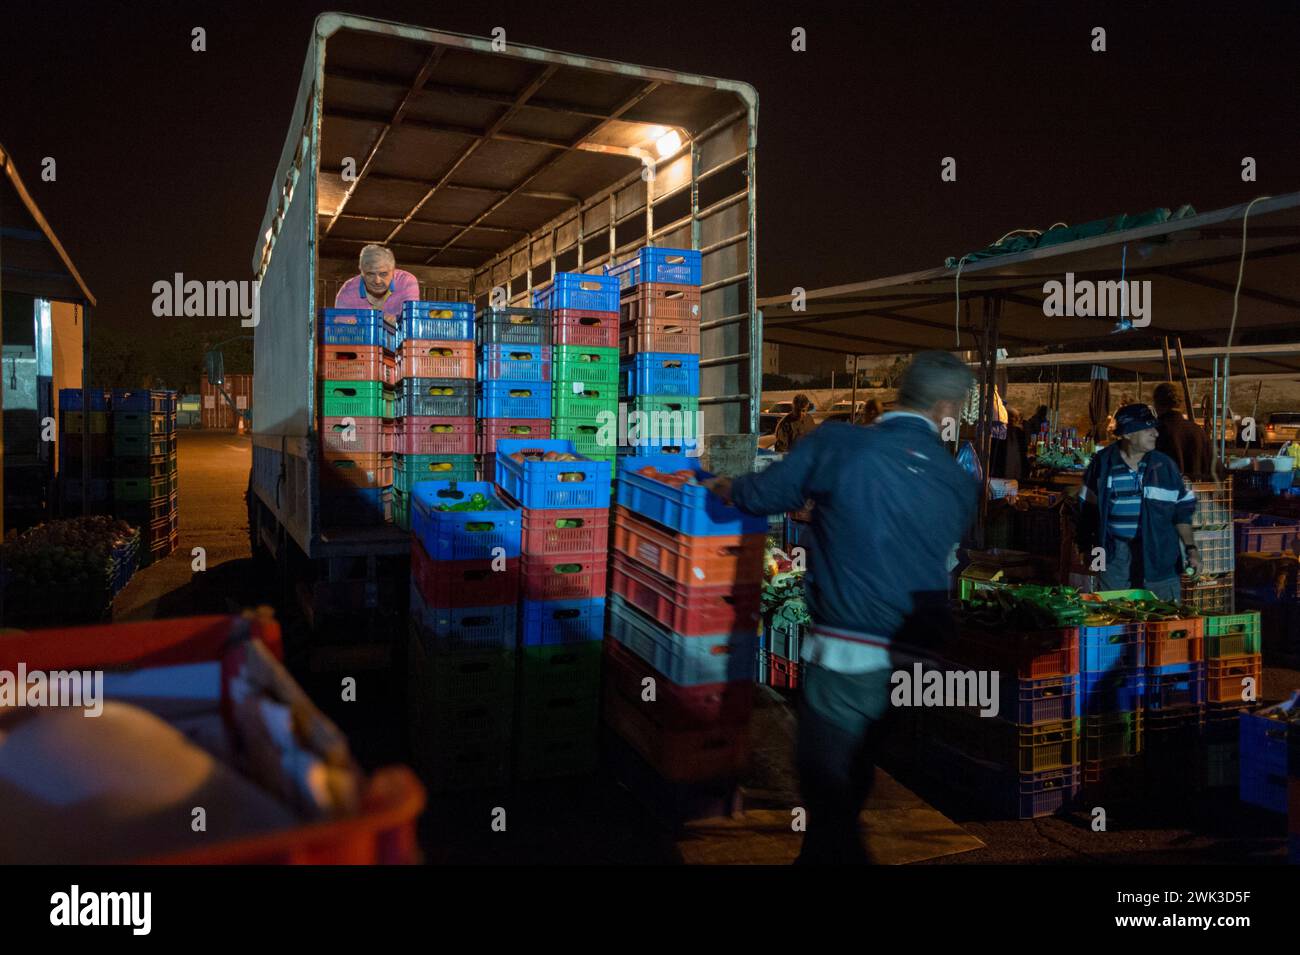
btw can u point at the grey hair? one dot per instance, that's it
(376, 252)
(934, 376)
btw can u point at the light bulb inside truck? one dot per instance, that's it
(668, 143)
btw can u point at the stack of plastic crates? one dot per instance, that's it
(1211, 591)
(584, 332)
(685, 581)
(462, 666)
(659, 381)
(1023, 762)
(436, 438)
(565, 519)
(1233, 674)
(356, 368)
(84, 434)
(1112, 661)
(145, 468)
(1270, 747)
(1270, 583)
(511, 338)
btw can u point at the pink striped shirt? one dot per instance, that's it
(405, 287)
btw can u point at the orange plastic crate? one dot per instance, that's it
(1175, 641)
(355, 363)
(1223, 677)
(689, 560)
(423, 358)
(1029, 655)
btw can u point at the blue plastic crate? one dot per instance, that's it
(437, 321)
(1111, 646)
(99, 489)
(139, 400)
(453, 629)
(690, 509)
(464, 535)
(1173, 686)
(653, 264)
(687, 661)
(514, 363)
(594, 293)
(496, 401)
(356, 507)
(1264, 759)
(356, 326)
(548, 622)
(659, 374)
(1037, 701)
(539, 484)
(70, 399)
(1112, 690)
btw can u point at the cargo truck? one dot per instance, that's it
(486, 166)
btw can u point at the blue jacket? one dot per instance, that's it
(890, 506)
(1166, 502)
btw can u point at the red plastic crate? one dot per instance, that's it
(356, 469)
(687, 559)
(1175, 641)
(492, 430)
(578, 326)
(425, 358)
(427, 435)
(689, 611)
(563, 577)
(677, 755)
(782, 673)
(463, 583)
(355, 363)
(680, 707)
(545, 531)
(369, 435)
(1032, 655)
(659, 317)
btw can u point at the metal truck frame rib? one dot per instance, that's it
(544, 155)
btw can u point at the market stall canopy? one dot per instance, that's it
(32, 259)
(1191, 263)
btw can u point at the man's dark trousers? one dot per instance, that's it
(842, 721)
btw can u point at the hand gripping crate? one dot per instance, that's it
(514, 326)
(437, 321)
(514, 363)
(657, 264)
(535, 483)
(597, 293)
(356, 363)
(464, 535)
(659, 373)
(585, 328)
(686, 508)
(686, 661)
(686, 559)
(430, 358)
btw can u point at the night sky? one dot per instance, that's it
(165, 156)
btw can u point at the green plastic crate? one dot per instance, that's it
(661, 403)
(587, 404)
(1232, 635)
(572, 364)
(585, 435)
(409, 469)
(569, 668)
(364, 399)
(141, 488)
(132, 445)
(139, 422)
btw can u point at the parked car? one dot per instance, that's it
(847, 406)
(833, 415)
(785, 407)
(1283, 426)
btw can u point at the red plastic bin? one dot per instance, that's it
(782, 673)
(463, 583)
(679, 707)
(430, 435)
(677, 755)
(368, 435)
(659, 317)
(688, 611)
(425, 358)
(563, 577)
(687, 559)
(492, 430)
(1030, 655)
(549, 532)
(355, 363)
(578, 326)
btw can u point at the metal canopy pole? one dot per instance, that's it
(989, 361)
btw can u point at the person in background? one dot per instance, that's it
(871, 410)
(380, 284)
(1009, 457)
(795, 426)
(891, 507)
(1134, 505)
(1034, 424)
(1188, 445)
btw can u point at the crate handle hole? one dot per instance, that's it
(569, 614)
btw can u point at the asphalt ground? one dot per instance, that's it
(593, 819)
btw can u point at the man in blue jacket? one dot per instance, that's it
(891, 506)
(1134, 505)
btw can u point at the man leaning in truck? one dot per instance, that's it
(1133, 504)
(380, 285)
(891, 507)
